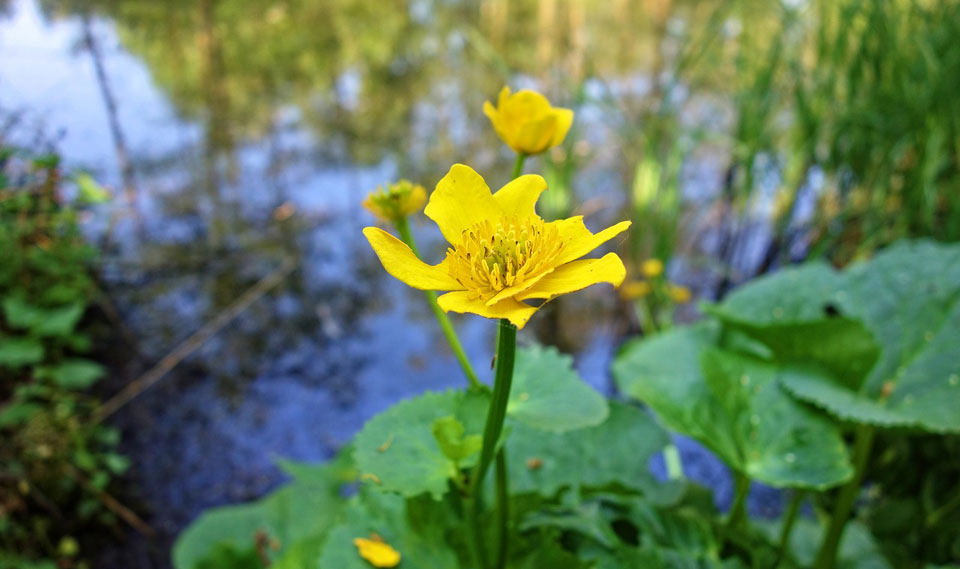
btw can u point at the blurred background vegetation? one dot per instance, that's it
(738, 136)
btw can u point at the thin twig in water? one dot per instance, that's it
(191, 344)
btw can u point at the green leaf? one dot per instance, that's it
(18, 412)
(733, 404)
(586, 519)
(398, 452)
(75, 373)
(298, 512)
(858, 549)
(91, 192)
(908, 297)
(449, 434)
(18, 352)
(549, 395)
(225, 556)
(416, 528)
(615, 451)
(47, 322)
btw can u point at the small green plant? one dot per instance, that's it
(54, 463)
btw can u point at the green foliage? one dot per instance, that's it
(908, 298)
(732, 403)
(548, 394)
(616, 451)
(288, 523)
(51, 453)
(398, 452)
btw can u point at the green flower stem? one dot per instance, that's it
(497, 412)
(475, 543)
(503, 508)
(789, 518)
(739, 508)
(827, 556)
(403, 228)
(518, 166)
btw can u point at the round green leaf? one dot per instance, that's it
(615, 451)
(732, 403)
(548, 394)
(397, 451)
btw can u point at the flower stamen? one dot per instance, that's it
(493, 256)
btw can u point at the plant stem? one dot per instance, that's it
(403, 228)
(673, 462)
(503, 508)
(738, 510)
(789, 518)
(518, 166)
(827, 556)
(475, 543)
(506, 352)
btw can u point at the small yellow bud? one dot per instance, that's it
(527, 122)
(679, 293)
(633, 290)
(376, 552)
(397, 201)
(652, 268)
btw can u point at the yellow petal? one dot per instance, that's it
(378, 553)
(461, 200)
(517, 312)
(400, 262)
(515, 290)
(503, 96)
(578, 275)
(520, 196)
(564, 122)
(533, 136)
(577, 239)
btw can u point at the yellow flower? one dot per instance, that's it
(501, 252)
(399, 200)
(652, 268)
(679, 293)
(635, 289)
(526, 122)
(378, 553)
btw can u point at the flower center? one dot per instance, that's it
(494, 255)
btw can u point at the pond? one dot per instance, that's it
(240, 136)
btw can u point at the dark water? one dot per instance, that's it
(249, 134)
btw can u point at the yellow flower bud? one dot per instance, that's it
(527, 122)
(652, 268)
(397, 201)
(376, 552)
(633, 290)
(679, 294)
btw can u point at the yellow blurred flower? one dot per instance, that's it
(398, 200)
(527, 122)
(633, 290)
(652, 268)
(679, 293)
(376, 552)
(501, 252)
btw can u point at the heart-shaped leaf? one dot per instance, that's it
(548, 394)
(733, 404)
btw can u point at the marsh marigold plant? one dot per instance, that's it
(501, 252)
(526, 121)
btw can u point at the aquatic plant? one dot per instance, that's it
(789, 381)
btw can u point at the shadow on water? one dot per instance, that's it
(253, 131)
